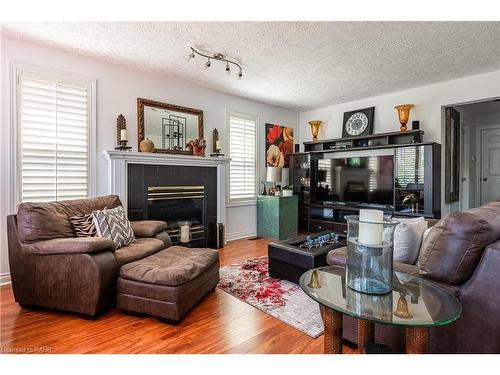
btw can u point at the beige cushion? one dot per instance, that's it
(171, 267)
(407, 239)
(140, 248)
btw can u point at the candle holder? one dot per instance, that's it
(369, 254)
(121, 134)
(216, 146)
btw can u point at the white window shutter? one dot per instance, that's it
(242, 151)
(53, 140)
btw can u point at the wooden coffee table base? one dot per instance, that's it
(417, 339)
(332, 321)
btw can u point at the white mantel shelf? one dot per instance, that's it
(118, 170)
(158, 158)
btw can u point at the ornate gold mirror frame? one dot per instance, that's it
(141, 131)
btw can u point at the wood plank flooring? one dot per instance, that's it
(219, 324)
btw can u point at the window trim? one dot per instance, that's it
(247, 201)
(16, 69)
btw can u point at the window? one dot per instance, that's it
(242, 151)
(54, 137)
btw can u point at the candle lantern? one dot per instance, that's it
(370, 240)
(121, 134)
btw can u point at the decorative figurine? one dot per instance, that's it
(197, 147)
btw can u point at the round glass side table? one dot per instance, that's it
(414, 303)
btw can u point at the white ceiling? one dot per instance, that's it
(297, 65)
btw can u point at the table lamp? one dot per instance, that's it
(273, 175)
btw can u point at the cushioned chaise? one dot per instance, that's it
(169, 283)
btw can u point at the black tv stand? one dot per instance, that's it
(417, 171)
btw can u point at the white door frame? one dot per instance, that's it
(479, 157)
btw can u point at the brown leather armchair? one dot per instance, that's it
(50, 267)
(462, 255)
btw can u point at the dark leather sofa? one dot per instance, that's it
(50, 267)
(462, 255)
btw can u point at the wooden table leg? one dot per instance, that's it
(333, 330)
(366, 333)
(417, 340)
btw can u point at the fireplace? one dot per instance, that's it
(175, 193)
(175, 204)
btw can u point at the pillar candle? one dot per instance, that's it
(371, 234)
(217, 145)
(123, 134)
(185, 234)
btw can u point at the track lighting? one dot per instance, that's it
(218, 57)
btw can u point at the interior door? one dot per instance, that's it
(490, 165)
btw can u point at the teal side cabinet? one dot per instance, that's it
(277, 216)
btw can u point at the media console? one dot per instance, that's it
(400, 179)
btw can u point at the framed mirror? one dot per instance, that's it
(452, 155)
(168, 126)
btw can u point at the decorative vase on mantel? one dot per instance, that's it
(146, 145)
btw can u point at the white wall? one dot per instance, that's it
(117, 90)
(428, 100)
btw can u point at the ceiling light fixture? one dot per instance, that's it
(218, 57)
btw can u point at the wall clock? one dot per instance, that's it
(359, 122)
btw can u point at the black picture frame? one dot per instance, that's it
(369, 112)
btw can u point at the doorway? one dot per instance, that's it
(479, 155)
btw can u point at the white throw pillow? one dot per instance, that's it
(407, 239)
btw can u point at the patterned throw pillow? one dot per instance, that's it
(114, 224)
(83, 225)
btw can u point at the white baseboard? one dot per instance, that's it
(240, 235)
(5, 278)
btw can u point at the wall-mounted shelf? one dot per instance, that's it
(374, 140)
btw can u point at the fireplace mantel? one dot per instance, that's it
(118, 166)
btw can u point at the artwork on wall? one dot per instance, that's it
(279, 145)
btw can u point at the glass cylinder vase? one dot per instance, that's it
(369, 254)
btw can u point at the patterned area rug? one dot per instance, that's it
(250, 282)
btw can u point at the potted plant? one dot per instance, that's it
(287, 190)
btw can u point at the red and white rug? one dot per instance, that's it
(250, 282)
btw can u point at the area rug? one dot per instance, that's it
(249, 281)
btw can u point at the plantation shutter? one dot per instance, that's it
(53, 139)
(242, 148)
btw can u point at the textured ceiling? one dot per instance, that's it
(297, 65)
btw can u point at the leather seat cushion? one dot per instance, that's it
(453, 248)
(148, 228)
(139, 249)
(44, 221)
(171, 267)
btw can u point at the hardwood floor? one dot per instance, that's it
(219, 324)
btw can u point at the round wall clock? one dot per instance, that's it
(359, 122)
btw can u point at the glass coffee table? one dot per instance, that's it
(415, 304)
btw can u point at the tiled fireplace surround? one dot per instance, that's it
(132, 173)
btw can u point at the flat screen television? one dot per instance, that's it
(356, 180)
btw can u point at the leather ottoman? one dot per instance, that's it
(169, 283)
